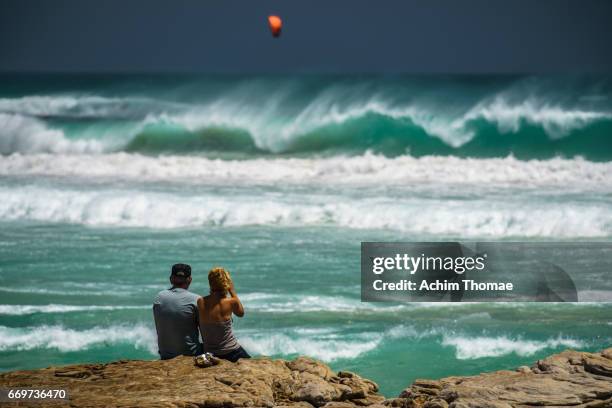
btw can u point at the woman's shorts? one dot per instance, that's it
(234, 355)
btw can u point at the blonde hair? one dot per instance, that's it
(219, 279)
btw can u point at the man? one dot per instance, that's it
(176, 316)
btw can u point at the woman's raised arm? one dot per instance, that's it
(237, 307)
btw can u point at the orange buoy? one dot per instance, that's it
(276, 24)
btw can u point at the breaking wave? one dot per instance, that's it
(525, 117)
(454, 217)
(322, 343)
(22, 134)
(324, 346)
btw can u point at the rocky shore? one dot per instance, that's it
(571, 378)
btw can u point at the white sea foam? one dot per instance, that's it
(468, 348)
(18, 310)
(66, 340)
(325, 343)
(478, 217)
(21, 134)
(366, 169)
(325, 347)
(322, 344)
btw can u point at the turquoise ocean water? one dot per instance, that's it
(105, 181)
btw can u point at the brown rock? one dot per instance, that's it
(314, 389)
(370, 400)
(339, 404)
(301, 383)
(301, 404)
(309, 365)
(354, 386)
(436, 403)
(570, 378)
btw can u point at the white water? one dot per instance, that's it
(468, 348)
(22, 134)
(324, 344)
(570, 174)
(65, 339)
(501, 217)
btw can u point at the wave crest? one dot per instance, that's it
(449, 118)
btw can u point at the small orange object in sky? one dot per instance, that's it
(276, 24)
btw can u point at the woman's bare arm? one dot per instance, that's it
(237, 307)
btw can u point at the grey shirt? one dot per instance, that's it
(176, 320)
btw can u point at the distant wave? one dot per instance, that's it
(468, 348)
(275, 303)
(78, 106)
(282, 303)
(94, 290)
(368, 169)
(466, 311)
(19, 310)
(530, 118)
(43, 291)
(455, 217)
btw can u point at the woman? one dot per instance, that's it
(216, 312)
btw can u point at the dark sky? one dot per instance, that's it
(417, 36)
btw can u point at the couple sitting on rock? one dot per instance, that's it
(181, 316)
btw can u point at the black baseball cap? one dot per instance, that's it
(182, 270)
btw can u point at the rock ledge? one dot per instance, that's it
(569, 379)
(259, 382)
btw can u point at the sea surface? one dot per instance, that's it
(106, 181)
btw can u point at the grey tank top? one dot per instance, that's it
(218, 337)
